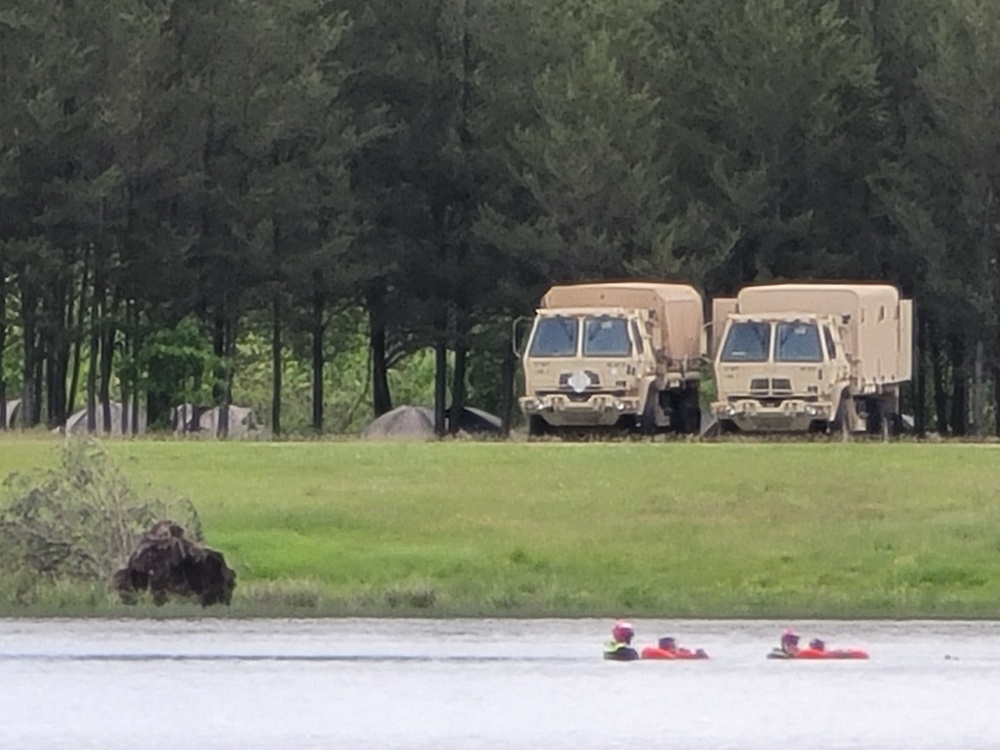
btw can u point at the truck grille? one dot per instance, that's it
(781, 385)
(763, 386)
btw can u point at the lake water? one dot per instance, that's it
(348, 683)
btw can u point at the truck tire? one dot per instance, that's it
(841, 426)
(537, 426)
(688, 413)
(647, 420)
(727, 427)
(873, 422)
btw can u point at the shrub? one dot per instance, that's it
(78, 522)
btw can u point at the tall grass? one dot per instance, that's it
(671, 529)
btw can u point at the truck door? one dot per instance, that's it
(722, 308)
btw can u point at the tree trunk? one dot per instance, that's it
(107, 360)
(940, 396)
(78, 335)
(224, 425)
(381, 397)
(978, 396)
(50, 356)
(63, 312)
(38, 380)
(276, 364)
(318, 329)
(440, 387)
(440, 370)
(53, 343)
(996, 397)
(457, 408)
(136, 348)
(3, 346)
(96, 304)
(27, 408)
(507, 388)
(959, 399)
(920, 405)
(127, 353)
(219, 388)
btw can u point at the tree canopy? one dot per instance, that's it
(182, 184)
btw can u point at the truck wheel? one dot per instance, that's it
(841, 426)
(728, 427)
(873, 422)
(689, 413)
(647, 420)
(537, 426)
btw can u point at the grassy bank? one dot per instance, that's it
(666, 529)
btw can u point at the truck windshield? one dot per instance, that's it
(747, 342)
(606, 337)
(554, 337)
(798, 342)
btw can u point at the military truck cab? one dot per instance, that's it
(601, 355)
(589, 368)
(812, 357)
(804, 357)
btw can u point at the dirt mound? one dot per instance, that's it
(166, 563)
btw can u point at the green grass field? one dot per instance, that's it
(601, 529)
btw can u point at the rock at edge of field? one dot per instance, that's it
(402, 423)
(166, 563)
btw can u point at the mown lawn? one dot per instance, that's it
(670, 529)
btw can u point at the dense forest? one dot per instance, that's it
(199, 194)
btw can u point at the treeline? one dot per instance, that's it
(176, 173)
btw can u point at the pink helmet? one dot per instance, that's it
(790, 636)
(622, 631)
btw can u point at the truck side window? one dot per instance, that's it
(637, 335)
(831, 348)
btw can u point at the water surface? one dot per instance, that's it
(385, 684)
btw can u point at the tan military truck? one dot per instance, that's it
(624, 354)
(812, 357)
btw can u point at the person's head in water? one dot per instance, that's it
(789, 641)
(666, 643)
(817, 645)
(622, 632)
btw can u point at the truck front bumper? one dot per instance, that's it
(791, 415)
(598, 410)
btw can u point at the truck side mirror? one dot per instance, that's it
(519, 330)
(710, 338)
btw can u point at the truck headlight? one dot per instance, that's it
(619, 404)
